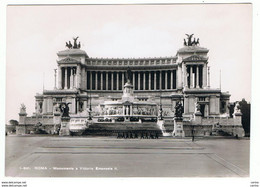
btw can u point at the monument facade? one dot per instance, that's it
(89, 85)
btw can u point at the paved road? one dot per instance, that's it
(46, 156)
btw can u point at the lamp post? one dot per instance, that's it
(192, 133)
(160, 109)
(90, 109)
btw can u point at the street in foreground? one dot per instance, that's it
(47, 156)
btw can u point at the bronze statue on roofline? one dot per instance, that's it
(75, 45)
(190, 42)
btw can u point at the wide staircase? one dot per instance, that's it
(106, 128)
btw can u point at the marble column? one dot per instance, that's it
(74, 78)
(123, 81)
(131, 110)
(204, 76)
(96, 80)
(134, 80)
(85, 78)
(78, 76)
(149, 87)
(101, 77)
(71, 78)
(178, 77)
(197, 77)
(139, 81)
(66, 78)
(160, 75)
(112, 80)
(106, 80)
(81, 79)
(191, 77)
(91, 79)
(171, 87)
(155, 79)
(144, 80)
(117, 80)
(185, 77)
(166, 79)
(59, 78)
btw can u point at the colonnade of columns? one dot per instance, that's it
(68, 77)
(196, 76)
(141, 80)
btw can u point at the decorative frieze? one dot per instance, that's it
(127, 62)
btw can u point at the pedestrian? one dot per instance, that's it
(192, 134)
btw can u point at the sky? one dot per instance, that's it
(36, 33)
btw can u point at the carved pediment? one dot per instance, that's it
(126, 103)
(68, 60)
(195, 58)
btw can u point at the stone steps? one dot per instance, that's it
(123, 127)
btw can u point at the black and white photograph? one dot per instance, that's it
(128, 91)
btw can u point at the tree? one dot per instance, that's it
(13, 122)
(245, 110)
(11, 126)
